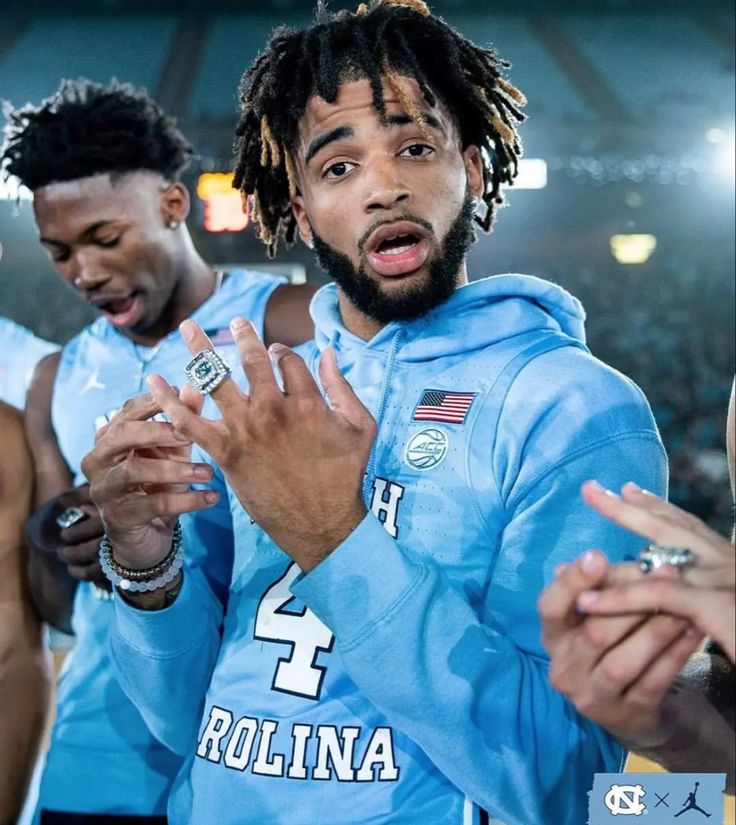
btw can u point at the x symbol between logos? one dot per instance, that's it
(661, 800)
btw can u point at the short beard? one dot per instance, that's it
(365, 294)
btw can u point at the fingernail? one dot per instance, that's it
(278, 349)
(588, 599)
(591, 563)
(238, 323)
(187, 330)
(211, 496)
(595, 484)
(202, 471)
(560, 569)
(630, 485)
(693, 632)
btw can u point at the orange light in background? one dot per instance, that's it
(223, 207)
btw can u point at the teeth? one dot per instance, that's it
(398, 250)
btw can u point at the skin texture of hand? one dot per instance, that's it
(704, 594)
(616, 670)
(139, 473)
(295, 462)
(75, 546)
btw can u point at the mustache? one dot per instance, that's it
(425, 224)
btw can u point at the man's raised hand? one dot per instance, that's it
(139, 472)
(295, 462)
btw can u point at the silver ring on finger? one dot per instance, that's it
(69, 517)
(654, 556)
(206, 371)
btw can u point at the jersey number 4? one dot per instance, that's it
(298, 672)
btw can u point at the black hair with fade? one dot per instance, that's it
(89, 129)
(383, 38)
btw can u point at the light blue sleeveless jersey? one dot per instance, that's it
(20, 351)
(102, 757)
(403, 679)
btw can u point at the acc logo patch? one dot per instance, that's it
(426, 449)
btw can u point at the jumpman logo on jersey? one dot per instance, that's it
(93, 383)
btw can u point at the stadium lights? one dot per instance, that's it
(532, 174)
(715, 135)
(633, 249)
(223, 206)
(725, 164)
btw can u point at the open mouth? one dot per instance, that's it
(120, 311)
(398, 249)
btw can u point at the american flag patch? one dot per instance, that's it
(220, 336)
(447, 407)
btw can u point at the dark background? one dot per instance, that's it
(631, 104)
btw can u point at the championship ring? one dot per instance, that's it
(655, 556)
(70, 517)
(206, 371)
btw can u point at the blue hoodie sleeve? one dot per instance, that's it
(164, 659)
(466, 679)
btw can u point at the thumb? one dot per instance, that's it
(339, 393)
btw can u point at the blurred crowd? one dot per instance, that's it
(667, 325)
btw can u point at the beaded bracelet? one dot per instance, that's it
(148, 579)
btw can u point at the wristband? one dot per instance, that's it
(148, 579)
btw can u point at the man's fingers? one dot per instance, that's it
(652, 685)
(341, 396)
(255, 360)
(227, 393)
(650, 524)
(633, 494)
(294, 373)
(80, 554)
(88, 573)
(192, 399)
(711, 611)
(132, 435)
(140, 408)
(624, 663)
(137, 470)
(650, 594)
(576, 652)
(83, 531)
(187, 423)
(136, 510)
(557, 603)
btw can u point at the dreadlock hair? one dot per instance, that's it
(88, 129)
(382, 39)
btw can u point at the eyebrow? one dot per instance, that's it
(343, 132)
(90, 230)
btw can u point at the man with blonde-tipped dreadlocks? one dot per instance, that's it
(378, 657)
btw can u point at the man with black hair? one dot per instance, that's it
(378, 657)
(104, 166)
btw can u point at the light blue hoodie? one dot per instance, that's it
(403, 679)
